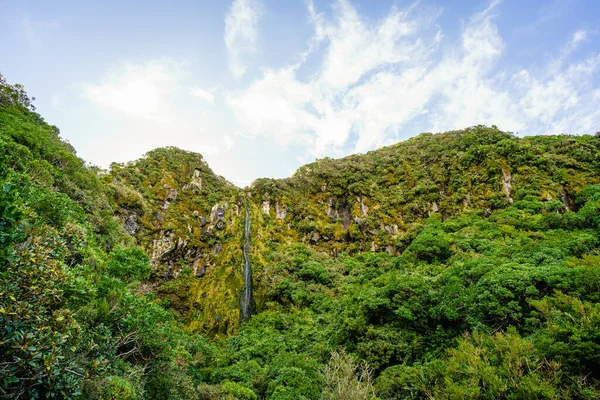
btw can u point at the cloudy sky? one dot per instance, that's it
(260, 87)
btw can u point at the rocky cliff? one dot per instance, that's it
(191, 221)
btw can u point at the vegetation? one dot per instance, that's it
(451, 266)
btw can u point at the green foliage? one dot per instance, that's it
(498, 366)
(14, 95)
(431, 244)
(11, 218)
(237, 391)
(75, 322)
(458, 265)
(571, 335)
(128, 264)
(115, 387)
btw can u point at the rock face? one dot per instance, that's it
(163, 244)
(266, 207)
(506, 185)
(191, 222)
(186, 218)
(130, 224)
(280, 211)
(363, 208)
(196, 183)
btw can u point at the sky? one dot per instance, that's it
(261, 87)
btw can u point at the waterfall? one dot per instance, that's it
(246, 299)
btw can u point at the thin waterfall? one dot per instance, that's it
(246, 299)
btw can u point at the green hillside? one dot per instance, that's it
(460, 265)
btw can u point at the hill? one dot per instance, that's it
(464, 264)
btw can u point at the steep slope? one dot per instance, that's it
(368, 202)
(189, 221)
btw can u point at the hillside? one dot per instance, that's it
(457, 265)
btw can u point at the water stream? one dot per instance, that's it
(246, 299)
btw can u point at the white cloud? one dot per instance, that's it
(228, 142)
(275, 104)
(579, 36)
(207, 95)
(137, 89)
(146, 105)
(377, 80)
(241, 33)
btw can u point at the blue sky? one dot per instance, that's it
(260, 87)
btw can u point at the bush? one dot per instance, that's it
(129, 264)
(344, 380)
(431, 245)
(117, 388)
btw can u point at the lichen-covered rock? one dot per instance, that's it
(280, 211)
(266, 207)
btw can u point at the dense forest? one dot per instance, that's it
(460, 265)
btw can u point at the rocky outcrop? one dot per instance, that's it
(196, 183)
(280, 211)
(130, 223)
(266, 206)
(363, 208)
(217, 216)
(162, 245)
(507, 185)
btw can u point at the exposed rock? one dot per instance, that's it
(389, 249)
(200, 271)
(315, 237)
(162, 245)
(330, 207)
(506, 185)
(217, 212)
(391, 229)
(339, 209)
(360, 223)
(130, 224)
(373, 247)
(346, 217)
(171, 197)
(280, 211)
(434, 207)
(266, 207)
(363, 208)
(196, 183)
(199, 266)
(564, 197)
(216, 249)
